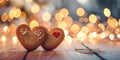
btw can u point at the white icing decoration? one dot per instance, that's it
(38, 33)
(23, 31)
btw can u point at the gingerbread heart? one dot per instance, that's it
(31, 39)
(55, 37)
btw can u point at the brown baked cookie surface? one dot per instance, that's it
(31, 39)
(55, 37)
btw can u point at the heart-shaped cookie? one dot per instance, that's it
(55, 37)
(31, 39)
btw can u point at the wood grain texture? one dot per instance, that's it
(64, 51)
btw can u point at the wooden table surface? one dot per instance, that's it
(65, 51)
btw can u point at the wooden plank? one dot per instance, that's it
(111, 49)
(63, 52)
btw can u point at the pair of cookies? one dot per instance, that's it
(32, 39)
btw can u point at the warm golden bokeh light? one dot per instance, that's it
(46, 16)
(1, 1)
(14, 40)
(64, 11)
(12, 13)
(112, 22)
(119, 22)
(4, 17)
(23, 15)
(59, 17)
(68, 20)
(101, 26)
(5, 28)
(28, 1)
(81, 35)
(111, 37)
(17, 13)
(118, 36)
(3, 39)
(62, 25)
(34, 23)
(80, 12)
(35, 8)
(93, 18)
(75, 28)
(69, 40)
(107, 12)
(85, 29)
(93, 35)
(117, 31)
(66, 32)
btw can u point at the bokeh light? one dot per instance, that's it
(14, 40)
(75, 28)
(80, 12)
(62, 25)
(46, 16)
(107, 12)
(35, 8)
(59, 17)
(3, 39)
(68, 20)
(4, 17)
(111, 36)
(64, 11)
(33, 24)
(5, 28)
(93, 18)
(112, 22)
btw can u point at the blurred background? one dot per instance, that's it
(30, 7)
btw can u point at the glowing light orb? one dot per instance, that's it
(4, 17)
(81, 35)
(111, 37)
(101, 26)
(46, 16)
(3, 39)
(80, 12)
(68, 20)
(107, 12)
(34, 23)
(5, 28)
(64, 11)
(118, 36)
(59, 17)
(62, 25)
(14, 40)
(35, 8)
(93, 35)
(75, 28)
(92, 18)
(28, 1)
(17, 13)
(112, 22)
(85, 29)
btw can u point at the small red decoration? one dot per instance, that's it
(56, 34)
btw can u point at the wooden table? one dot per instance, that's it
(65, 51)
